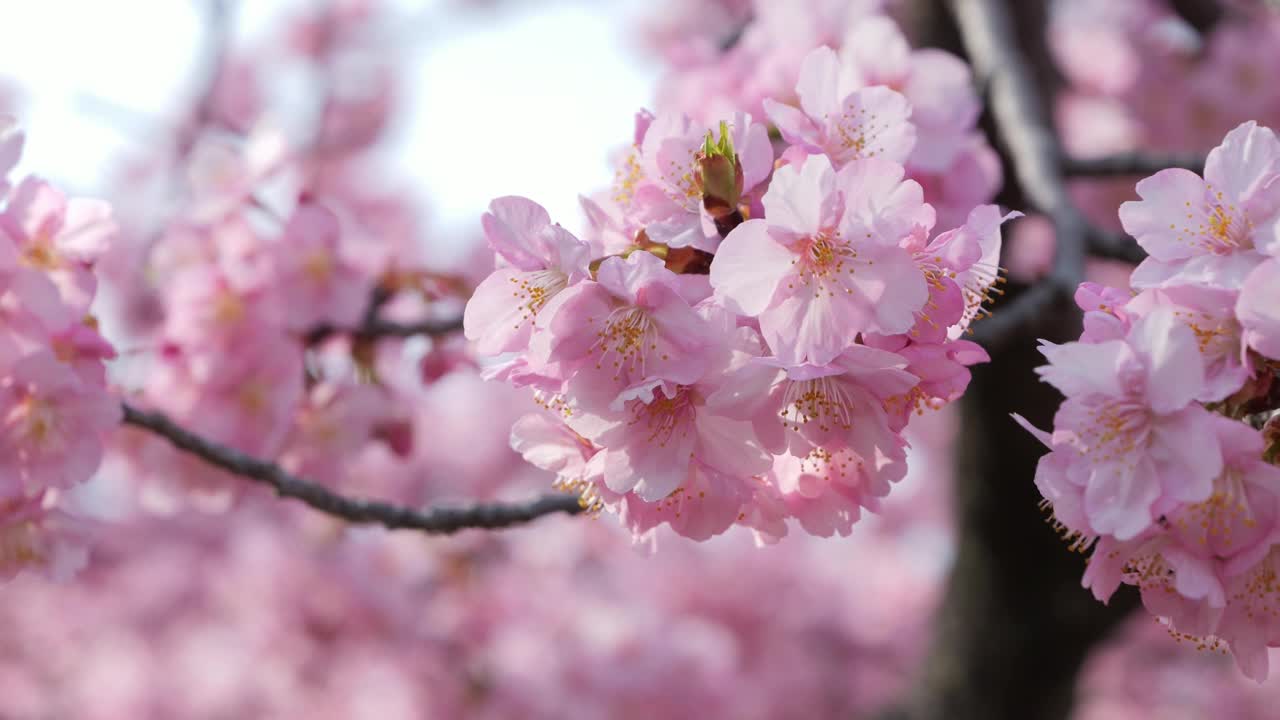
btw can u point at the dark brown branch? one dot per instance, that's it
(375, 329)
(1199, 14)
(1131, 164)
(432, 520)
(1014, 625)
(1115, 246)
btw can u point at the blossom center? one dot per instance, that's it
(665, 417)
(628, 337)
(824, 258)
(532, 290)
(1116, 430)
(626, 178)
(1214, 517)
(318, 267)
(825, 402)
(38, 421)
(19, 546)
(41, 254)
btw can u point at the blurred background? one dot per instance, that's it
(202, 605)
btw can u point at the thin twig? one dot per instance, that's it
(1022, 122)
(432, 520)
(1131, 164)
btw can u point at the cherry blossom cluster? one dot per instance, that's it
(1162, 455)
(55, 410)
(246, 264)
(743, 55)
(750, 325)
(248, 294)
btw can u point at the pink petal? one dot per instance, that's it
(803, 201)
(1247, 156)
(1165, 220)
(748, 268)
(512, 226)
(1119, 496)
(1259, 309)
(1175, 369)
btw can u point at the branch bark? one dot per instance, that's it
(1015, 625)
(1199, 14)
(1131, 164)
(432, 520)
(375, 329)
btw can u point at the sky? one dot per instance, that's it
(526, 100)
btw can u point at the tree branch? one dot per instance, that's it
(433, 520)
(1199, 14)
(1014, 625)
(1022, 123)
(375, 329)
(1115, 246)
(1126, 164)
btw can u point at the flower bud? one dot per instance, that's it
(720, 178)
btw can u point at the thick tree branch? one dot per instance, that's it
(1015, 625)
(1131, 164)
(1022, 123)
(433, 520)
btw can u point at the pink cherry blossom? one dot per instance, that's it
(629, 326)
(811, 410)
(333, 424)
(1209, 230)
(537, 261)
(1105, 313)
(225, 170)
(245, 400)
(659, 430)
(58, 237)
(961, 266)
(36, 535)
(937, 84)
(825, 263)
(52, 425)
(1141, 445)
(1257, 308)
(843, 123)
(666, 196)
(318, 280)
(1210, 313)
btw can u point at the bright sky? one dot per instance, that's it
(525, 101)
